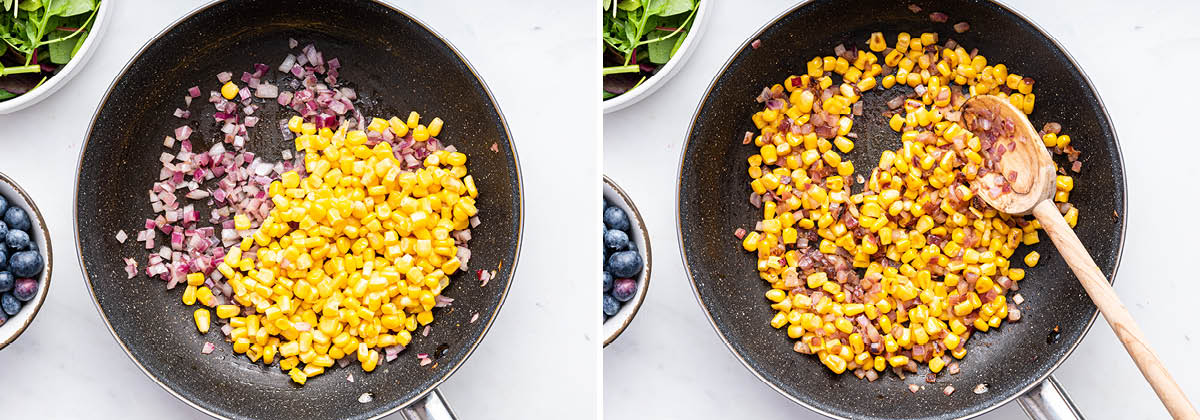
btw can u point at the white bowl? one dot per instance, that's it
(17, 324)
(99, 25)
(699, 22)
(616, 324)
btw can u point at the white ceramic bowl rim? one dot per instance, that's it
(617, 324)
(99, 24)
(653, 83)
(18, 323)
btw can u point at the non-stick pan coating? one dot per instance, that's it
(398, 65)
(713, 202)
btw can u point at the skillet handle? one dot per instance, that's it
(1048, 401)
(432, 407)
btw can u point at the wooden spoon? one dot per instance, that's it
(1029, 173)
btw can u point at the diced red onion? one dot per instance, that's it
(266, 90)
(183, 132)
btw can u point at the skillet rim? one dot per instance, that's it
(1124, 191)
(520, 213)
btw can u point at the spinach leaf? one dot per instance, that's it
(60, 52)
(5, 95)
(661, 50)
(675, 7)
(71, 7)
(29, 5)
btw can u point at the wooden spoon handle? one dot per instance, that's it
(1118, 317)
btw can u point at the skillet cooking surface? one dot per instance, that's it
(397, 65)
(714, 191)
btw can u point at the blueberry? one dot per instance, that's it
(3, 318)
(615, 218)
(30, 264)
(3, 258)
(613, 239)
(6, 281)
(17, 219)
(620, 264)
(25, 289)
(3, 228)
(3, 204)
(608, 280)
(611, 306)
(17, 240)
(624, 289)
(10, 304)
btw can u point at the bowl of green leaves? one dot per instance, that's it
(43, 43)
(645, 43)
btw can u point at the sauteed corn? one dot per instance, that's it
(935, 261)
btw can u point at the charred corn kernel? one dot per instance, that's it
(776, 295)
(1031, 259)
(877, 43)
(1016, 274)
(202, 318)
(1064, 183)
(229, 90)
(1072, 216)
(936, 364)
(779, 320)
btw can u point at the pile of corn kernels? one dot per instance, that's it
(353, 256)
(936, 262)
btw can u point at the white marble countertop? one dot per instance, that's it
(670, 362)
(535, 359)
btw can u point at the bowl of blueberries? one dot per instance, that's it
(626, 260)
(24, 260)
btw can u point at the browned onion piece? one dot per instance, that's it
(961, 27)
(938, 17)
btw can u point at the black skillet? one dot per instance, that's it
(713, 197)
(397, 64)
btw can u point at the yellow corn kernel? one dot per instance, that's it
(229, 90)
(1031, 259)
(936, 364)
(227, 311)
(298, 376)
(420, 133)
(202, 320)
(189, 295)
(195, 279)
(205, 296)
